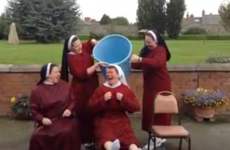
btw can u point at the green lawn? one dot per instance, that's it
(183, 52)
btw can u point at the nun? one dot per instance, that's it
(77, 59)
(110, 102)
(52, 107)
(153, 60)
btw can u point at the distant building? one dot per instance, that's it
(209, 22)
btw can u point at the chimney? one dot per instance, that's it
(203, 12)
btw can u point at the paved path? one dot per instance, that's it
(14, 135)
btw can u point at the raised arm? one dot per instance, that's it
(77, 69)
(130, 102)
(97, 102)
(34, 107)
(88, 46)
(156, 62)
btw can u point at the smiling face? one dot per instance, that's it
(54, 75)
(112, 75)
(150, 42)
(77, 46)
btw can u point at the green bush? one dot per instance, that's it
(218, 58)
(194, 31)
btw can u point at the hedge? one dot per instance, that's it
(182, 37)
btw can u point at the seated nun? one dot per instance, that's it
(52, 106)
(110, 102)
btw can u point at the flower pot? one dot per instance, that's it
(204, 112)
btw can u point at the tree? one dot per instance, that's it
(105, 20)
(224, 12)
(47, 20)
(175, 13)
(121, 21)
(151, 15)
(3, 26)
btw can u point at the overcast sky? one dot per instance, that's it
(127, 8)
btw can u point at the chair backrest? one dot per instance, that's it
(165, 103)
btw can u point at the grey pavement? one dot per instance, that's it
(14, 135)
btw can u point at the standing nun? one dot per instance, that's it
(52, 107)
(153, 61)
(77, 59)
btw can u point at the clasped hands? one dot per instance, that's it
(108, 96)
(47, 121)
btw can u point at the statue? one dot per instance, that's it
(13, 35)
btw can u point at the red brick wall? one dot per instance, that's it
(15, 80)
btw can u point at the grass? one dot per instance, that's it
(183, 52)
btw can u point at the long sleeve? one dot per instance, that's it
(88, 47)
(71, 104)
(76, 67)
(158, 61)
(34, 107)
(97, 102)
(130, 102)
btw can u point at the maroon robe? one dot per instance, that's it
(111, 121)
(84, 86)
(51, 101)
(156, 79)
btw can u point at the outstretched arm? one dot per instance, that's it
(88, 46)
(77, 69)
(156, 62)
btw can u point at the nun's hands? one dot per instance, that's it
(119, 96)
(94, 42)
(46, 121)
(66, 113)
(108, 96)
(102, 64)
(135, 58)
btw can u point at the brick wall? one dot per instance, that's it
(20, 79)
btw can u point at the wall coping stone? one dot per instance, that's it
(34, 68)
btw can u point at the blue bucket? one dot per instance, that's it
(114, 49)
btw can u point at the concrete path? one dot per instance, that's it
(14, 135)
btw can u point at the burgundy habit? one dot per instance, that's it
(111, 120)
(84, 86)
(156, 79)
(51, 101)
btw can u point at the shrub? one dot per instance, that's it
(194, 30)
(218, 58)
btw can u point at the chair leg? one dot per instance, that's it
(189, 143)
(95, 144)
(149, 140)
(180, 145)
(154, 142)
